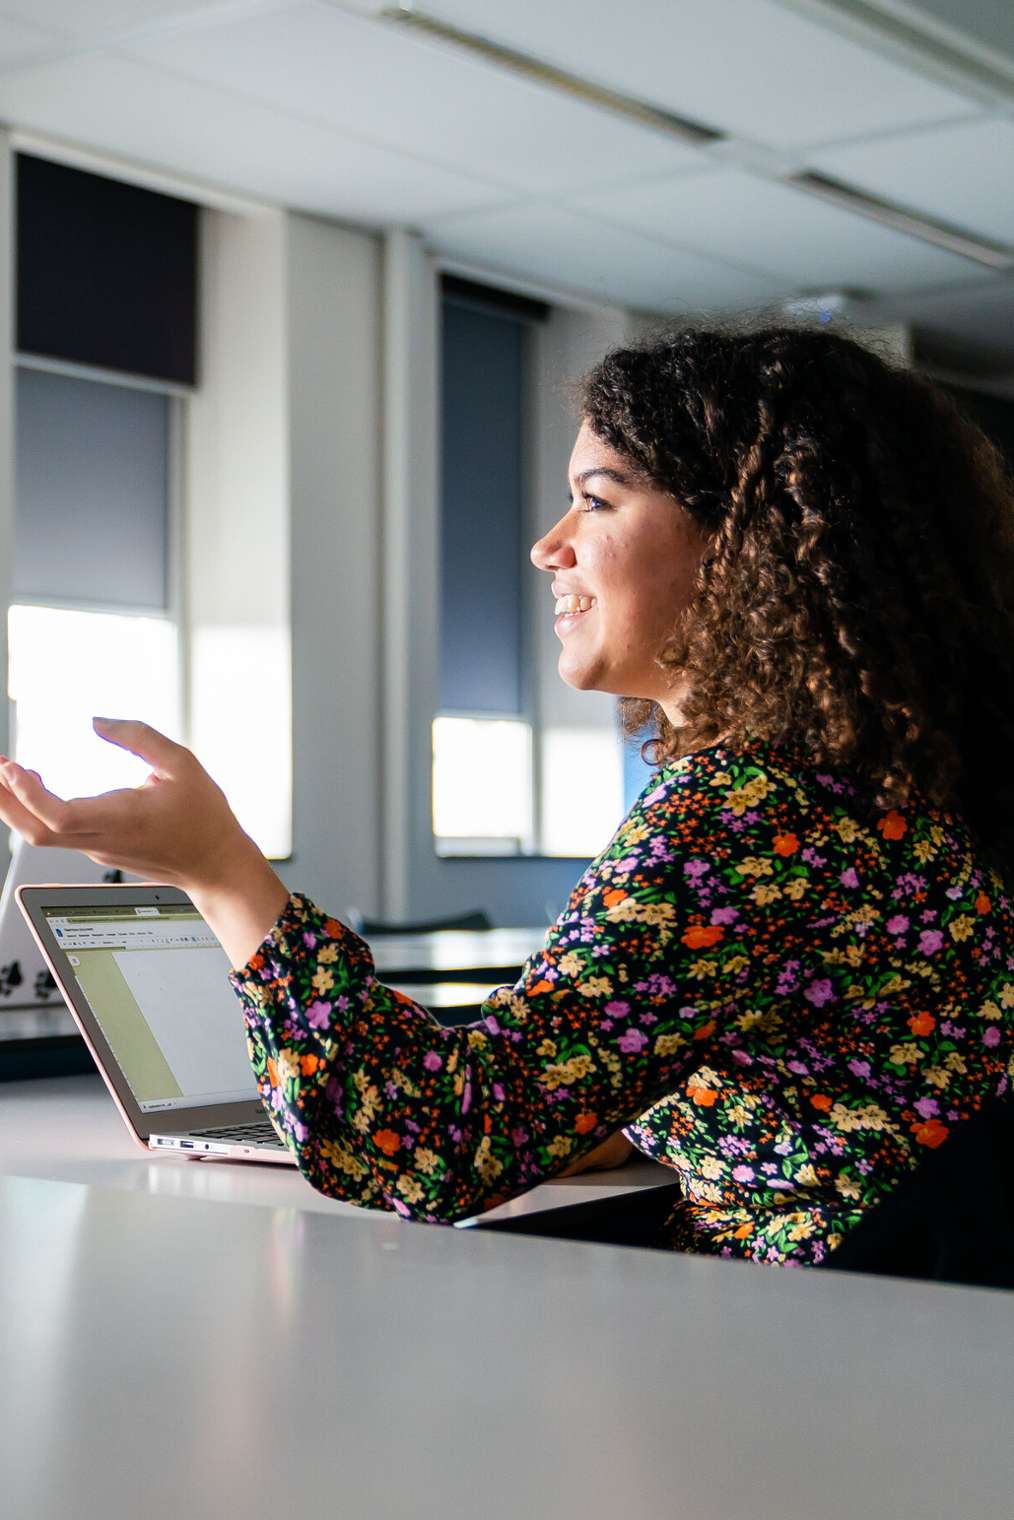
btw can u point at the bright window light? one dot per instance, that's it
(582, 790)
(68, 667)
(482, 783)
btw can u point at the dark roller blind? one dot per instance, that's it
(106, 273)
(481, 519)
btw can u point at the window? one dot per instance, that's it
(92, 629)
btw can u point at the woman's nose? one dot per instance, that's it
(553, 551)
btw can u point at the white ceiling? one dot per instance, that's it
(321, 106)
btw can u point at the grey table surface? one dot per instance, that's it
(454, 951)
(163, 1358)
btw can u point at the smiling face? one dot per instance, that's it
(623, 560)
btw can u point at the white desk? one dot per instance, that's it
(160, 1361)
(67, 1130)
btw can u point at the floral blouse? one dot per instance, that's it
(787, 996)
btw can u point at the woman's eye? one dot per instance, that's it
(594, 504)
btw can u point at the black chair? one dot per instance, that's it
(374, 928)
(952, 1220)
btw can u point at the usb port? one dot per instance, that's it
(186, 1145)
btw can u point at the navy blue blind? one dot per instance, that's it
(483, 554)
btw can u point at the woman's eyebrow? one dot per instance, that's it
(614, 475)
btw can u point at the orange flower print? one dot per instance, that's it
(786, 844)
(982, 903)
(922, 1023)
(821, 1100)
(706, 1030)
(585, 1123)
(387, 1141)
(743, 1231)
(703, 1096)
(272, 1071)
(931, 1132)
(614, 895)
(308, 1065)
(540, 988)
(700, 936)
(893, 825)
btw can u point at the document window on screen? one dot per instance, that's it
(156, 982)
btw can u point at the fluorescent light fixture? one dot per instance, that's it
(558, 79)
(901, 219)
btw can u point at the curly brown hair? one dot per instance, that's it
(856, 595)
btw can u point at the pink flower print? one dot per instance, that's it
(928, 915)
(819, 993)
(499, 1091)
(800, 1068)
(309, 939)
(318, 1015)
(859, 1068)
(927, 1107)
(930, 941)
(898, 924)
(432, 1061)
(724, 915)
(519, 1137)
(741, 1058)
(991, 1037)
(696, 868)
(617, 1007)
(848, 877)
(632, 1041)
(743, 1174)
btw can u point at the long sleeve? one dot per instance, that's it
(384, 1107)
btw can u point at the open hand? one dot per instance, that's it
(177, 827)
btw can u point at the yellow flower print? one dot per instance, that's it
(570, 964)
(566, 1072)
(806, 1176)
(802, 1229)
(546, 1048)
(936, 1076)
(711, 1168)
(754, 865)
(323, 981)
(923, 851)
(848, 1187)
(410, 1188)
(905, 1054)
(847, 830)
(560, 1146)
(668, 1044)
(766, 892)
(868, 1116)
(287, 1063)
(338, 1156)
(750, 1019)
(795, 888)
(595, 986)
(735, 964)
(955, 1062)
(741, 799)
(425, 1160)
(989, 1010)
(1007, 996)
(962, 927)
(486, 1164)
(478, 1039)
(720, 778)
(327, 954)
(700, 969)
(834, 1240)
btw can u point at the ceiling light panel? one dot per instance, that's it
(423, 98)
(124, 107)
(749, 67)
(562, 249)
(962, 173)
(790, 234)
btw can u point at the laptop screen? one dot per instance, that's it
(155, 979)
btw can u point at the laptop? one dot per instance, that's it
(25, 979)
(146, 982)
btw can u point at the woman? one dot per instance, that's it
(790, 975)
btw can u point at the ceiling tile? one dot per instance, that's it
(123, 107)
(962, 173)
(20, 44)
(388, 85)
(751, 67)
(561, 248)
(91, 18)
(796, 237)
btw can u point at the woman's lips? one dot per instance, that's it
(568, 621)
